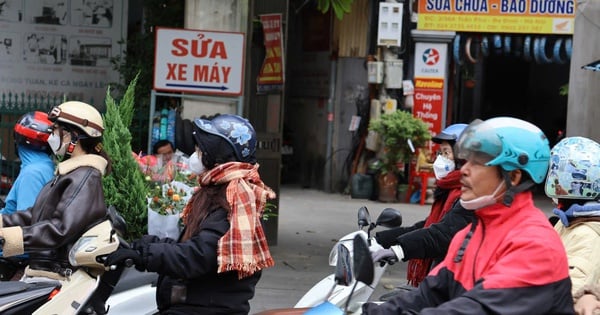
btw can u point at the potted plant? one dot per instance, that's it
(395, 130)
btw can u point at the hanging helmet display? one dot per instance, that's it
(574, 171)
(235, 130)
(450, 133)
(32, 130)
(79, 114)
(507, 142)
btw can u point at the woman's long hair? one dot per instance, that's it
(203, 202)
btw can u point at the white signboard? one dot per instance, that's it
(196, 61)
(60, 48)
(430, 60)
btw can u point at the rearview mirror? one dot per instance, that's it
(389, 218)
(343, 269)
(363, 263)
(364, 218)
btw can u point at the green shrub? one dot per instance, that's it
(124, 187)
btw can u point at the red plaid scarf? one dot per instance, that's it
(244, 247)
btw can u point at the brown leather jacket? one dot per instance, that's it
(65, 208)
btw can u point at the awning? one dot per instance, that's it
(594, 66)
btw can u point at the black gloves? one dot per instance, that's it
(127, 257)
(141, 244)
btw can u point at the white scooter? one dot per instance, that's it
(86, 289)
(339, 294)
(353, 267)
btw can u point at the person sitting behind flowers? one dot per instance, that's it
(215, 265)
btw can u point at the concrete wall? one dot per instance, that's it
(351, 98)
(583, 112)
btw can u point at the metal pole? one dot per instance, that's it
(151, 118)
(330, 121)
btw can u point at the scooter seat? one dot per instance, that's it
(10, 287)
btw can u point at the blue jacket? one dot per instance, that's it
(37, 168)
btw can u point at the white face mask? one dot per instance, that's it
(55, 143)
(482, 201)
(442, 166)
(195, 164)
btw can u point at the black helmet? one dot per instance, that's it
(33, 130)
(225, 138)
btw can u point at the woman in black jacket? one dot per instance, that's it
(215, 265)
(426, 242)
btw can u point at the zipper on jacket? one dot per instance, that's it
(55, 180)
(463, 246)
(478, 248)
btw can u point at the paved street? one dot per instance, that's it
(310, 222)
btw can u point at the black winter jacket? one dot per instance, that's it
(188, 280)
(65, 208)
(431, 242)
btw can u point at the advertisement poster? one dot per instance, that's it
(60, 48)
(430, 82)
(503, 16)
(271, 76)
(197, 61)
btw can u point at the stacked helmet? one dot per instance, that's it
(235, 131)
(32, 130)
(81, 115)
(450, 134)
(574, 171)
(507, 142)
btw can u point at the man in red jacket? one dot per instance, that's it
(509, 260)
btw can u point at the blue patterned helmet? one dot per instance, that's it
(574, 171)
(450, 133)
(507, 142)
(237, 131)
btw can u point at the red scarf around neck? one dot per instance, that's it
(419, 268)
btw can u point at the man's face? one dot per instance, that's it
(166, 152)
(478, 180)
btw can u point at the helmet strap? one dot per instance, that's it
(72, 144)
(511, 190)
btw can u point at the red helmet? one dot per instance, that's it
(33, 130)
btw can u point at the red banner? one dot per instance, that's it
(271, 76)
(429, 102)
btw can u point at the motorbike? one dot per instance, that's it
(333, 293)
(352, 267)
(86, 289)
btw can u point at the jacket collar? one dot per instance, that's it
(502, 212)
(91, 160)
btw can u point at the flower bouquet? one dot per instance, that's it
(169, 189)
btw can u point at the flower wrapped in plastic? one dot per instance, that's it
(156, 169)
(169, 189)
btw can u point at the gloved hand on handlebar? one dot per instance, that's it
(383, 254)
(141, 244)
(121, 255)
(389, 255)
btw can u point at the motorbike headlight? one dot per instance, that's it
(81, 245)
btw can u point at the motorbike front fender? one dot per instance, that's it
(72, 296)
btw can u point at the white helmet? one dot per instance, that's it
(81, 115)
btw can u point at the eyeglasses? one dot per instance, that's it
(445, 154)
